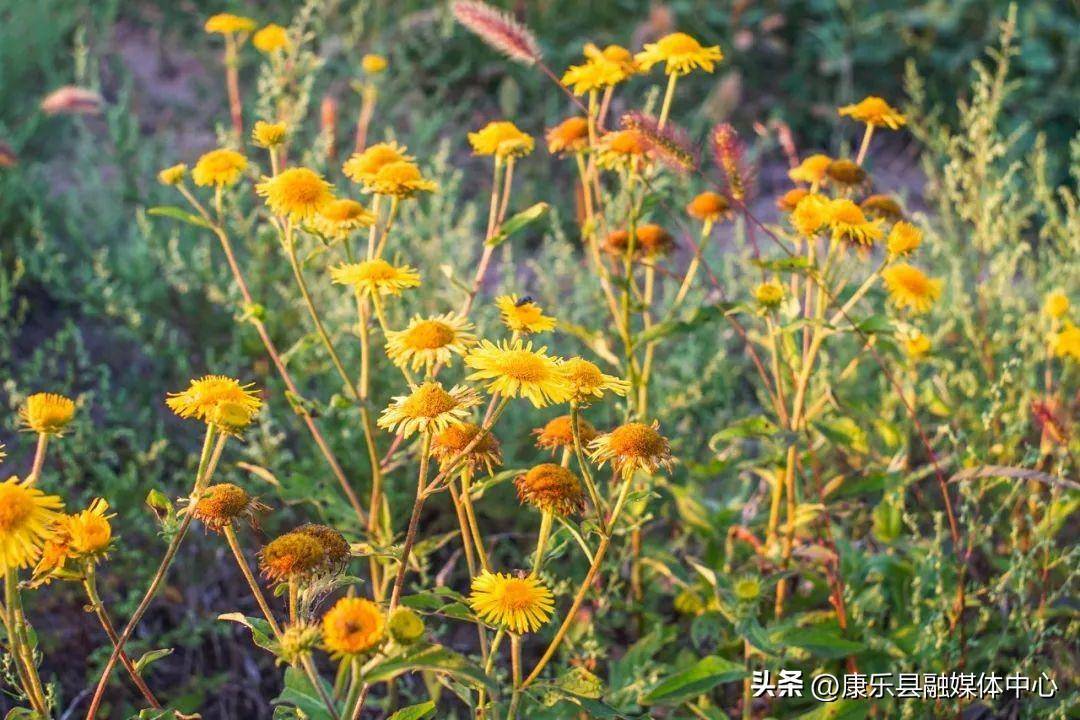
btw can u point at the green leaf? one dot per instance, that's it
(794, 263)
(435, 658)
(171, 211)
(820, 641)
(579, 681)
(260, 629)
(702, 676)
(697, 318)
(300, 693)
(517, 222)
(150, 656)
(414, 712)
(753, 426)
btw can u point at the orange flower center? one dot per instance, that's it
(429, 401)
(429, 335)
(16, 506)
(636, 440)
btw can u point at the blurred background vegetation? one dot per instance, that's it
(103, 302)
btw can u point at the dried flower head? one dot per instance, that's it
(730, 155)
(668, 144)
(335, 546)
(569, 136)
(270, 39)
(27, 517)
(551, 488)
(522, 315)
(501, 139)
(874, 111)
(680, 54)
(375, 276)
(47, 413)
(844, 172)
(650, 240)
(910, 288)
(520, 604)
(558, 433)
(498, 29)
(882, 206)
(633, 446)
(292, 555)
(516, 370)
(449, 443)
(221, 168)
(353, 627)
(428, 408)
(225, 503)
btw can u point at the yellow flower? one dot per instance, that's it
(220, 167)
(770, 293)
(680, 53)
(173, 175)
(47, 413)
(520, 604)
(400, 179)
(217, 400)
(296, 193)
(916, 345)
(371, 276)
(874, 111)
(268, 135)
(338, 219)
(428, 408)
(904, 238)
(1067, 342)
(790, 200)
(26, 522)
(631, 447)
(523, 316)
(558, 433)
(89, 531)
(847, 221)
(569, 136)
(516, 370)
(501, 139)
(292, 555)
(373, 64)
(602, 69)
(270, 39)
(811, 213)
(811, 170)
(364, 166)
(449, 443)
(910, 288)
(551, 488)
(54, 556)
(1056, 304)
(426, 342)
(619, 149)
(708, 206)
(227, 24)
(586, 381)
(353, 627)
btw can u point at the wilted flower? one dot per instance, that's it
(559, 433)
(449, 443)
(551, 488)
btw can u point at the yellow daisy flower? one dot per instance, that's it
(708, 207)
(338, 219)
(680, 53)
(426, 342)
(502, 139)
(1067, 342)
(620, 149)
(270, 39)
(557, 433)
(569, 136)
(847, 222)
(352, 627)
(811, 213)
(47, 413)
(227, 24)
(362, 167)
(428, 408)
(268, 135)
(516, 370)
(904, 238)
(631, 447)
(910, 288)
(373, 64)
(400, 179)
(1056, 304)
(220, 167)
(769, 294)
(602, 69)
(811, 170)
(217, 400)
(551, 488)
(447, 444)
(916, 345)
(371, 276)
(27, 516)
(790, 200)
(874, 111)
(523, 316)
(173, 175)
(89, 531)
(296, 193)
(587, 382)
(520, 604)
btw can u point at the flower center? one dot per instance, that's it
(517, 595)
(429, 335)
(16, 506)
(636, 440)
(914, 282)
(429, 401)
(679, 44)
(524, 366)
